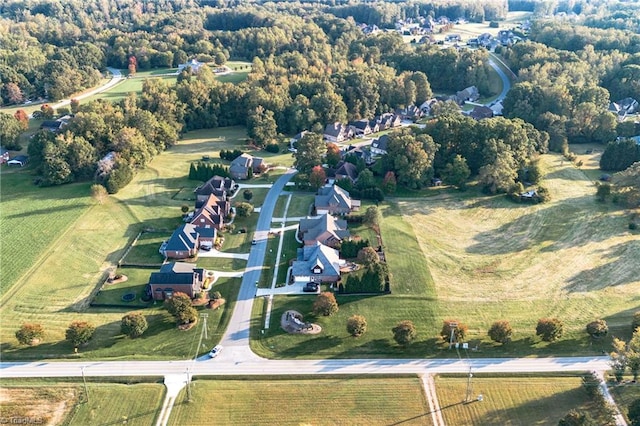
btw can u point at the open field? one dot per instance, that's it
(511, 400)
(291, 402)
(480, 259)
(44, 404)
(137, 404)
(71, 253)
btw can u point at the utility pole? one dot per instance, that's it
(195, 357)
(467, 397)
(452, 326)
(84, 380)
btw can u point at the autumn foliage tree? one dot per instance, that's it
(23, 118)
(180, 307)
(501, 331)
(549, 329)
(356, 325)
(459, 330)
(133, 65)
(325, 304)
(404, 332)
(133, 324)
(317, 177)
(79, 333)
(598, 328)
(30, 334)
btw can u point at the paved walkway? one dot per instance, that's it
(174, 384)
(618, 417)
(429, 386)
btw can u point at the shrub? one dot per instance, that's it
(184, 208)
(247, 194)
(350, 249)
(356, 325)
(404, 333)
(133, 325)
(494, 24)
(216, 295)
(325, 304)
(180, 307)
(459, 331)
(273, 148)
(633, 226)
(575, 418)
(79, 333)
(28, 334)
(244, 209)
(598, 328)
(635, 323)
(549, 329)
(368, 256)
(501, 331)
(634, 413)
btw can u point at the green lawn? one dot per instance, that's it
(72, 244)
(298, 206)
(289, 252)
(354, 401)
(221, 264)
(145, 249)
(512, 400)
(33, 220)
(624, 395)
(110, 404)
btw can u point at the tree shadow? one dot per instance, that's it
(620, 270)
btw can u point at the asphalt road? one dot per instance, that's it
(506, 83)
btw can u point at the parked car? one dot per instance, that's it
(310, 288)
(254, 242)
(215, 351)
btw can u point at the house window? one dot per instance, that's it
(201, 220)
(317, 270)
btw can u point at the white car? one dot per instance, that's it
(215, 351)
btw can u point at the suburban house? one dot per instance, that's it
(428, 105)
(480, 111)
(470, 94)
(346, 170)
(360, 127)
(452, 38)
(388, 120)
(337, 132)
(360, 152)
(211, 213)
(18, 160)
(184, 243)
(51, 125)
(379, 145)
(324, 229)
(335, 200)
(194, 64)
(316, 263)
(176, 277)
(239, 168)
(294, 140)
(4, 155)
(219, 186)
(411, 112)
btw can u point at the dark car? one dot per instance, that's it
(310, 287)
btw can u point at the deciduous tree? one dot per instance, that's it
(325, 304)
(311, 150)
(356, 325)
(99, 193)
(134, 324)
(372, 217)
(404, 332)
(457, 172)
(244, 209)
(30, 334)
(79, 333)
(318, 177)
(598, 328)
(459, 330)
(368, 256)
(549, 329)
(501, 331)
(180, 307)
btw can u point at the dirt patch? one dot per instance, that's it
(189, 326)
(292, 322)
(122, 279)
(37, 405)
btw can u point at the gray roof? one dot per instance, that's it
(177, 273)
(313, 228)
(347, 169)
(334, 129)
(333, 196)
(217, 185)
(183, 239)
(381, 142)
(317, 254)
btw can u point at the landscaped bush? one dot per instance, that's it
(133, 325)
(30, 334)
(549, 329)
(230, 155)
(459, 330)
(325, 304)
(356, 325)
(274, 148)
(404, 333)
(371, 280)
(501, 331)
(79, 333)
(598, 328)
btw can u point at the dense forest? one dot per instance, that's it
(311, 65)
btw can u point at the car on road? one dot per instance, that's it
(254, 242)
(310, 288)
(215, 351)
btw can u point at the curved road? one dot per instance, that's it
(506, 83)
(115, 79)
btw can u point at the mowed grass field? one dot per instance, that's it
(510, 401)
(480, 259)
(353, 401)
(65, 258)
